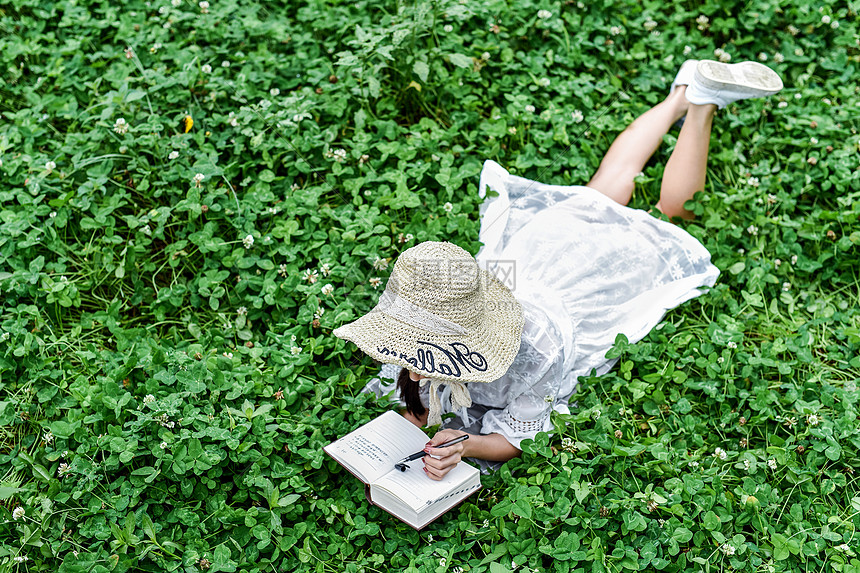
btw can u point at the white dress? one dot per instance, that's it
(585, 269)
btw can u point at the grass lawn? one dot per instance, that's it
(193, 195)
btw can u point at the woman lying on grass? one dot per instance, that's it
(580, 268)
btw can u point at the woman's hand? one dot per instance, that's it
(448, 457)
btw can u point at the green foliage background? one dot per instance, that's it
(123, 277)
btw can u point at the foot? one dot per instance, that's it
(685, 74)
(721, 84)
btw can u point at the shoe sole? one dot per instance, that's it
(744, 77)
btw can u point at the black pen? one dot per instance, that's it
(401, 465)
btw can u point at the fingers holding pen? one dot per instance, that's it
(441, 460)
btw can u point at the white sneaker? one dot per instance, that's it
(722, 84)
(685, 74)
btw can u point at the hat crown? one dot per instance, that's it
(441, 278)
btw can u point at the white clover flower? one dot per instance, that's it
(798, 51)
(310, 276)
(794, 259)
(649, 25)
(325, 269)
(725, 57)
(129, 53)
(512, 130)
(50, 166)
(720, 359)
(206, 68)
(234, 121)
(20, 558)
(687, 50)
(793, 30)
(274, 92)
(380, 264)
(694, 464)
(543, 82)
(120, 126)
(282, 270)
(448, 28)
(485, 56)
(544, 14)
(442, 562)
(577, 116)
(163, 445)
(375, 282)
(225, 64)
(327, 289)
(813, 420)
(163, 10)
(409, 237)
(727, 549)
(242, 311)
(702, 22)
(204, 6)
(295, 350)
(148, 399)
(782, 104)
(747, 465)
(48, 437)
(825, 19)
(720, 453)
(753, 182)
(752, 230)
(776, 262)
(514, 565)
(771, 463)
(778, 58)
(732, 344)
(786, 286)
(293, 338)
(596, 414)
(198, 178)
(448, 207)
(813, 140)
(615, 30)
(176, 3)
(146, 230)
(319, 313)
(843, 547)
(18, 513)
(173, 154)
(762, 57)
(4, 337)
(457, 569)
(834, 24)
(63, 469)
(248, 241)
(155, 47)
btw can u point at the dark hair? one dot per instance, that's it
(410, 393)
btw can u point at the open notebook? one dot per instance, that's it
(371, 451)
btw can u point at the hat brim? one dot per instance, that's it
(483, 354)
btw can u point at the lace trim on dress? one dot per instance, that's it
(526, 426)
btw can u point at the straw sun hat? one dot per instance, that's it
(444, 318)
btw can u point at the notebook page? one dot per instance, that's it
(416, 489)
(374, 448)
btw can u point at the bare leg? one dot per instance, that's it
(687, 166)
(634, 146)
